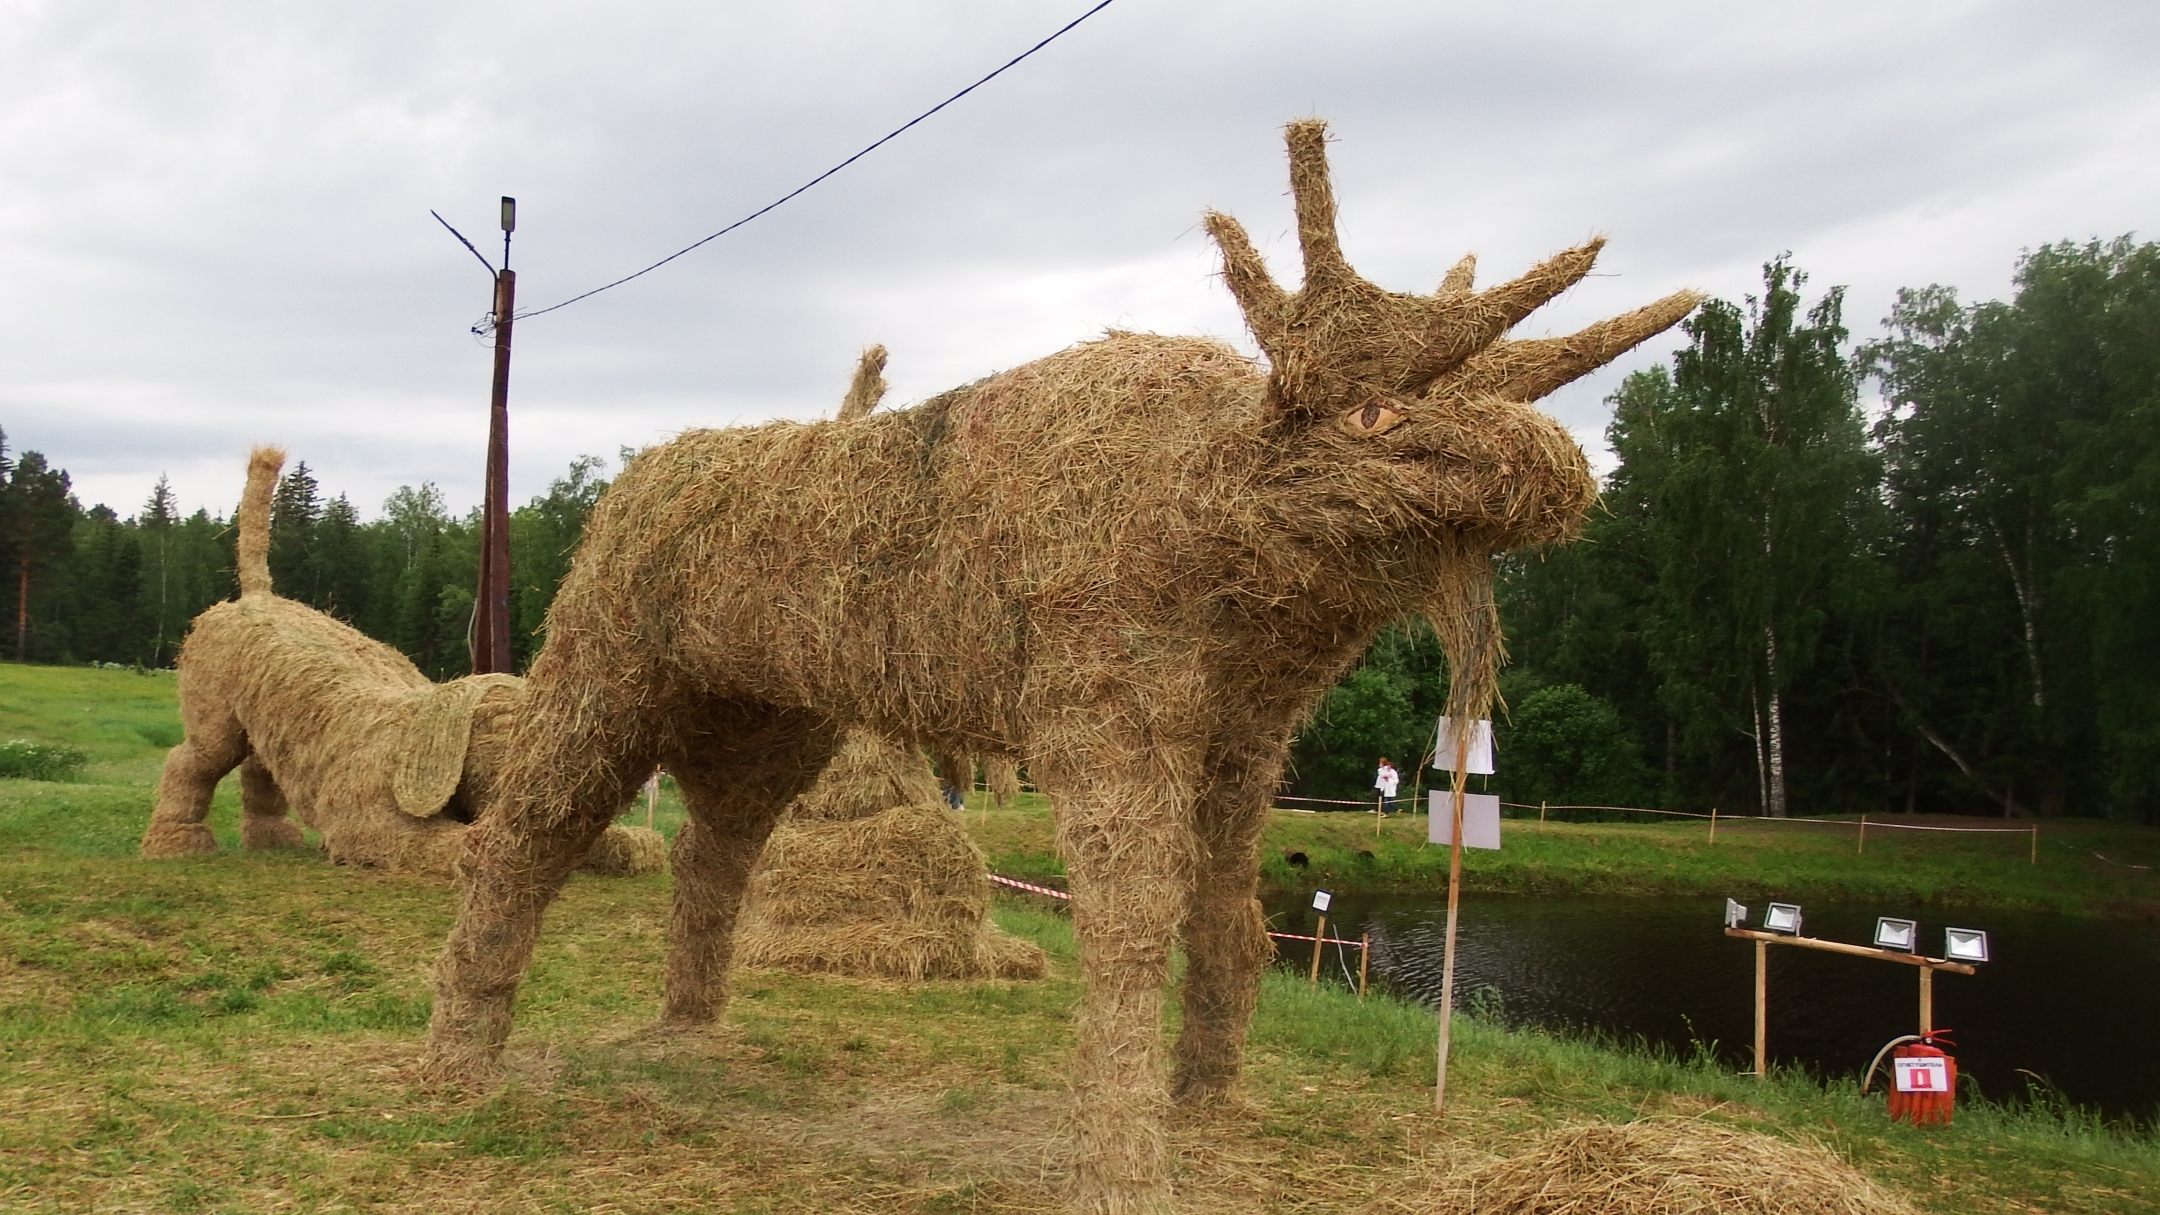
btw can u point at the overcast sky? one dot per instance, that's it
(214, 220)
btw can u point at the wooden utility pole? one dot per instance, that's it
(491, 600)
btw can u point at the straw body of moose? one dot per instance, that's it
(1133, 565)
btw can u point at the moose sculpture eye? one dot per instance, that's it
(1369, 419)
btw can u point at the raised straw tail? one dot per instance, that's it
(253, 519)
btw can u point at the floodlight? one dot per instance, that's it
(1320, 901)
(1965, 945)
(1892, 933)
(1782, 917)
(1735, 914)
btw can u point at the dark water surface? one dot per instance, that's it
(2076, 1001)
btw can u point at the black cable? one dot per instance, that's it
(889, 137)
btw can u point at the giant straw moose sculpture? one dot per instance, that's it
(1134, 564)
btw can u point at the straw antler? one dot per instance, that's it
(1340, 333)
(1531, 369)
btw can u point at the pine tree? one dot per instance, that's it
(41, 516)
(294, 512)
(155, 524)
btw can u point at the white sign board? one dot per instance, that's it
(1480, 819)
(1443, 756)
(1923, 1075)
(1320, 901)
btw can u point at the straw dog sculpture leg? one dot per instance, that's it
(1133, 563)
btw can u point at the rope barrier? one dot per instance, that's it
(1032, 888)
(1756, 818)
(1291, 936)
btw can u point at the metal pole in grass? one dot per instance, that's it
(1454, 900)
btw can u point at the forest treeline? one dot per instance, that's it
(1788, 602)
(1792, 598)
(102, 588)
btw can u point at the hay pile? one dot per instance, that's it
(871, 876)
(1133, 565)
(336, 729)
(1664, 1166)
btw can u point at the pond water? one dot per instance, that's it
(2074, 1001)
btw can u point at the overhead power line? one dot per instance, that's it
(895, 133)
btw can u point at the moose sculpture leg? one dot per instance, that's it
(577, 764)
(1226, 944)
(736, 776)
(1122, 831)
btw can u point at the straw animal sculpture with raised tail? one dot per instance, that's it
(1133, 565)
(337, 728)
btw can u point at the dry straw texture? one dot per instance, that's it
(331, 726)
(1664, 1166)
(1133, 566)
(870, 875)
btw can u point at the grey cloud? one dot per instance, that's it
(215, 219)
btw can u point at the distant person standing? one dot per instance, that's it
(1387, 782)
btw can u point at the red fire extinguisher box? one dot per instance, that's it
(1924, 1083)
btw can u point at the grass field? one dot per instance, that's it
(239, 1033)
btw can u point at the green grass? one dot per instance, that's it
(1346, 854)
(240, 1033)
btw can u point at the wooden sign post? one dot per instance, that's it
(1454, 900)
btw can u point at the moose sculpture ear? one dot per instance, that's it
(438, 731)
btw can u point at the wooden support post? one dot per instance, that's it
(1541, 810)
(1364, 964)
(1713, 824)
(1319, 936)
(1927, 999)
(1762, 1010)
(2036, 843)
(1863, 834)
(1454, 902)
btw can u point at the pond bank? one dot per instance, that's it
(2085, 867)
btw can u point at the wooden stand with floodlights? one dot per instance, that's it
(1764, 940)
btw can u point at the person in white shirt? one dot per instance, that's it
(1387, 782)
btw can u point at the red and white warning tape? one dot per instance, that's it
(1028, 886)
(1032, 888)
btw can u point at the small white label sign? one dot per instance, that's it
(1320, 901)
(1922, 1076)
